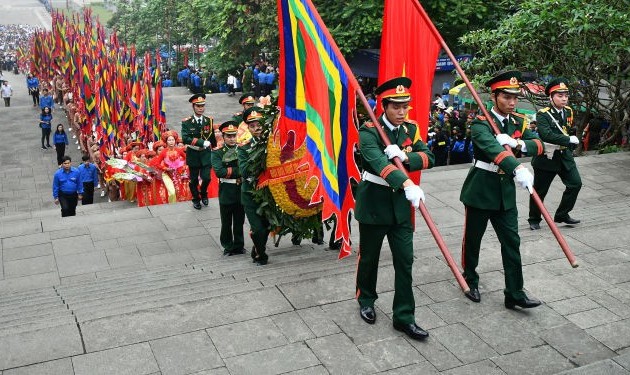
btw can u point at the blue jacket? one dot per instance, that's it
(59, 138)
(46, 101)
(32, 83)
(67, 182)
(88, 173)
(45, 121)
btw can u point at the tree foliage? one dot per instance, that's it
(587, 42)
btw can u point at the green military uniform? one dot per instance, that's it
(489, 193)
(198, 158)
(259, 224)
(554, 128)
(225, 164)
(382, 210)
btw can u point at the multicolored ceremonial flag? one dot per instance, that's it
(317, 100)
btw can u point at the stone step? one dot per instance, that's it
(28, 308)
(37, 325)
(24, 303)
(36, 315)
(93, 314)
(327, 272)
(31, 294)
(157, 290)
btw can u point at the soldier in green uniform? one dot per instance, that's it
(489, 190)
(259, 224)
(555, 128)
(383, 207)
(198, 135)
(225, 164)
(247, 100)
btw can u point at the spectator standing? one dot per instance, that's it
(6, 91)
(262, 82)
(89, 178)
(45, 120)
(67, 187)
(231, 84)
(60, 140)
(46, 100)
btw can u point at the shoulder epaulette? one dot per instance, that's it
(546, 109)
(516, 114)
(413, 122)
(369, 124)
(187, 118)
(482, 118)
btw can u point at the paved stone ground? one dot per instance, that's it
(126, 290)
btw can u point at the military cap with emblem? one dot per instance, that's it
(395, 90)
(198, 99)
(229, 127)
(252, 114)
(559, 84)
(247, 98)
(508, 82)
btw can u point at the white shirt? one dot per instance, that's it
(6, 91)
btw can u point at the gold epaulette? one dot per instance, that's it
(482, 118)
(519, 115)
(369, 124)
(546, 109)
(409, 121)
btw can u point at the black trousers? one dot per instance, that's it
(35, 95)
(68, 203)
(7, 102)
(61, 151)
(88, 193)
(46, 137)
(195, 174)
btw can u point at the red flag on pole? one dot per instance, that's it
(410, 49)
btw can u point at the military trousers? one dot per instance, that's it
(542, 181)
(401, 245)
(505, 224)
(197, 173)
(259, 231)
(232, 219)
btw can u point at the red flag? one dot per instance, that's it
(409, 48)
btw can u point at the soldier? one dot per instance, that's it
(489, 190)
(382, 204)
(198, 135)
(555, 128)
(225, 164)
(247, 100)
(259, 224)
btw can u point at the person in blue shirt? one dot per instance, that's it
(270, 78)
(60, 140)
(262, 82)
(167, 83)
(67, 187)
(89, 177)
(46, 100)
(32, 84)
(45, 120)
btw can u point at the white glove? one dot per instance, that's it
(206, 144)
(505, 139)
(524, 178)
(414, 194)
(393, 150)
(573, 139)
(523, 145)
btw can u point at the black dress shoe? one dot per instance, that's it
(261, 262)
(567, 220)
(238, 251)
(412, 330)
(196, 205)
(534, 226)
(204, 201)
(368, 314)
(525, 302)
(473, 295)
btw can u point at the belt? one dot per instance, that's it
(230, 180)
(367, 176)
(490, 167)
(196, 148)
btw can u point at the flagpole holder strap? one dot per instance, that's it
(490, 167)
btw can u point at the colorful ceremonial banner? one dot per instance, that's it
(316, 100)
(409, 49)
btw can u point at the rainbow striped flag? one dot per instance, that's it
(317, 100)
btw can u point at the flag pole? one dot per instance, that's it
(543, 210)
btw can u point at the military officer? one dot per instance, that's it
(555, 128)
(225, 164)
(198, 136)
(247, 100)
(489, 193)
(383, 200)
(259, 224)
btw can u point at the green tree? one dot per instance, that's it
(586, 42)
